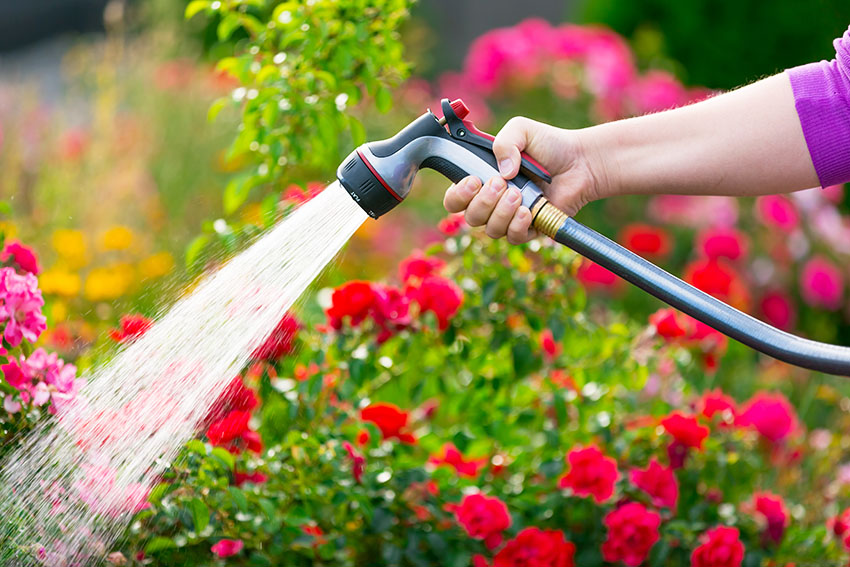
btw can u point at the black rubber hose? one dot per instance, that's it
(806, 353)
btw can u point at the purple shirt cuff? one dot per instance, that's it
(822, 98)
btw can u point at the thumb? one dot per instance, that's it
(512, 139)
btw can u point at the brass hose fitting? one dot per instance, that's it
(546, 217)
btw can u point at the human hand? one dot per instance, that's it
(561, 152)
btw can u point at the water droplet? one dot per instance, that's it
(220, 226)
(284, 104)
(239, 93)
(285, 17)
(263, 170)
(385, 361)
(311, 99)
(384, 476)
(279, 58)
(215, 5)
(252, 94)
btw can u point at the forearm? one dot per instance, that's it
(745, 142)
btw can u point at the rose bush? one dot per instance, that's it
(392, 434)
(34, 382)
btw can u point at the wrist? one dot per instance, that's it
(599, 156)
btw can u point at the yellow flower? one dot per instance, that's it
(253, 214)
(117, 238)
(156, 265)
(8, 229)
(71, 247)
(109, 282)
(59, 309)
(59, 282)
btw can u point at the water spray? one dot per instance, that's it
(378, 176)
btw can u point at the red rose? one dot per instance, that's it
(252, 441)
(20, 255)
(281, 340)
(721, 547)
(840, 524)
(227, 547)
(594, 276)
(670, 324)
(687, 433)
(440, 296)
(646, 240)
(390, 311)
(390, 420)
(778, 309)
(632, 531)
(130, 327)
(716, 277)
(417, 266)
(483, 518)
(451, 225)
(455, 459)
(236, 396)
(353, 299)
(771, 508)
(547, 342)
(358, 462)
(231, 427)
(685, 429)
(240, 478)
(659, 483)
(722, 243)
(591, 473)
(533, 547)
(713, 402)
(771, 415)
(15, 375)
(298, 196)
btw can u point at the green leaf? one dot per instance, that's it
(358, 132)
(238, 497)
(193, 251)
(224, 456)
(227, 26)
(251, 24)
(196, 446)
(159, 491)
(216, 107)
(159, 543)
(384, 99)
(200, 514)
(194, 7)
(236, 193)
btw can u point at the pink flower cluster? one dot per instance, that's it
(40, 378)
(570, 60)
(20, 307)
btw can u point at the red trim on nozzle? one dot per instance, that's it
(378, 176)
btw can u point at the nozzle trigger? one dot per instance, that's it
(465, 131)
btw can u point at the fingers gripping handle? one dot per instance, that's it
(452, 159)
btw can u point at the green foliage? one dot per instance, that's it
(486, 386)
(301, 65)
(728, 43)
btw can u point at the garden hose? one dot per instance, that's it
(378, 176)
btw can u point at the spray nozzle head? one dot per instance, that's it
(379, 175)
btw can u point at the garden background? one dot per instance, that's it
(438, 398)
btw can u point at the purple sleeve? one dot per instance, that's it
(822, 97)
